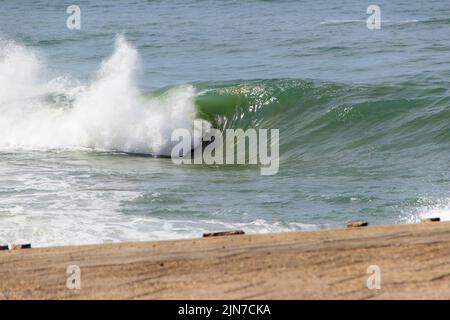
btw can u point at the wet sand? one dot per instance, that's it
(414, 261)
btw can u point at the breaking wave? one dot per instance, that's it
(107, 114)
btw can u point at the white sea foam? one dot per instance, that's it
(441, 211)
(429, 208)
(107, 114)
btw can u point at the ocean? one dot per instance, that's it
(363, 116)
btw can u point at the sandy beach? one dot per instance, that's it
(414, 262)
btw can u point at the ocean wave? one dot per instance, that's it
(314, 116)
(110, 113)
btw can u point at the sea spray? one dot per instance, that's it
(107, 114)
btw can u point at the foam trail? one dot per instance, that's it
(107, 114)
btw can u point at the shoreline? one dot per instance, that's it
(414, 262)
